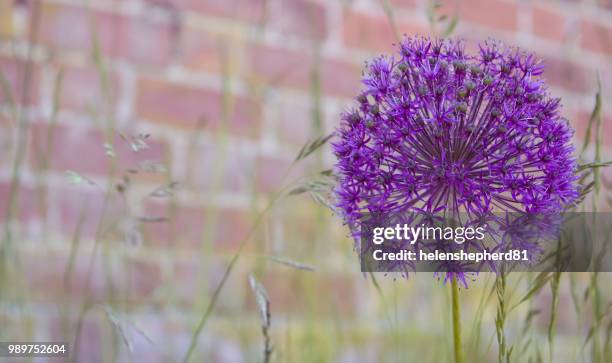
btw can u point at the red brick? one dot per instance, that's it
(14, 73)
(184, 225)
(494, 14)
(135, 39)
(82, 89)
(302, 17)
(293, 123)
(280, 67)
(59, 21)
(374, 32)
(89, 144)
(202, 51)
(190, 271)
(340, 78)
(89, 349)
(568, 75)
(187, 227)
(247, 10)
(134, 279)
(187, 106)
(233, 170)
(200, 277)
(272, 172)
(46, 275)
(605, 75)
(606, 4)
(580, 122)
(141, 278)
(148, 42)
(70, 202)
(403, 3)
(597, 37)
(548, 22)
(27, 207)
(285, 68)
(231, 229)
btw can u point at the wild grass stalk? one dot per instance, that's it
(526, 339)
(594, 290)
(263, 303)
(607, 351)
(218, 167)
(9, 99)
(552, 325)
(68, 271)
(20, 123)
(388, 9)
(307, 150)
(44, 156)
(109, 131)
(500, 319)
(23, 129)
(436, 20)
(476, 329)
(456, 309)
(391, 323)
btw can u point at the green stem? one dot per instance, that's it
(456, 321)
(500, 318)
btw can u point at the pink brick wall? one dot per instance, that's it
(226, 88)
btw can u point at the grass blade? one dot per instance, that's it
(263, 303)
(292, 264)
(312, 146)
(538, 283)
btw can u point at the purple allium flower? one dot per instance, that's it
(438, 130)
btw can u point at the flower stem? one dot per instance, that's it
(456, 321)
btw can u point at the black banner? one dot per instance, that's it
(421, 242)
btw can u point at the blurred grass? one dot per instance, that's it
(397, 321)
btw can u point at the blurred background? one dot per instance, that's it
(146, 143)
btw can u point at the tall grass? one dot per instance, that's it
(381, 321)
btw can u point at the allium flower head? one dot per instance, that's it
(437, 130)
(440, 130)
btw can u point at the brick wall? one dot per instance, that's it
(229, 90)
